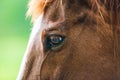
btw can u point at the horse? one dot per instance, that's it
(73, 40)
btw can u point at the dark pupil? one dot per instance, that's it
(54, 41)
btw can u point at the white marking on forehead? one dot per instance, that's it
(34, 32)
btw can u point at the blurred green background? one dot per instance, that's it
(14, 34)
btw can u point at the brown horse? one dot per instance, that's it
(73, 40)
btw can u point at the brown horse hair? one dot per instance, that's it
(108, 10)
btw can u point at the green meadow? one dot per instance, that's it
(14, 35)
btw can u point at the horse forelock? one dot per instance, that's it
(107, 9)
(36, 7)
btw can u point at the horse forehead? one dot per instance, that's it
(60, 15)
(54, 17)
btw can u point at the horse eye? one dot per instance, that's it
(54, 41)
